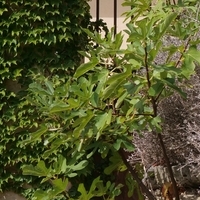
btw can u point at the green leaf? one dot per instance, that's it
(82, 190)
(114, 82)
(81, 123)
(94, 99)
(49, 85)
(59, 186)
(117, 144)
(41, 195)
(2, 10)
(116, 162)
(54, 146)
(81, 165)
(155, 124)
(112, 89)
(60, 165)
(128, 145)
(188, 67)
(102, 78)
(156, 88)
(39, 170)
(37, 88)
(59, 107)
(194, 54)
(121, 99)
(73, 103)
(85, 67)
(166, 24)
(170, 83)
(96, 189)
(101, 121)
(103, 150)
(36, 135)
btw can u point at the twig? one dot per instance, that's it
(169, 167)
(143, 188)
(155, 114)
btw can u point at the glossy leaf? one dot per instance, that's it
(85, 67)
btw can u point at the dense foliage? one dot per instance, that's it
(35, 37)
(84, 123)
(92, 115)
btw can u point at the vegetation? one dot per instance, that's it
(35, 37)
(83, 122)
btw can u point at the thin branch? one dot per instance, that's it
(174, 184)
(155, 109)
(143, 188)
(147, 67)
(184, 50)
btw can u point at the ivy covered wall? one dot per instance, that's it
(40, 37)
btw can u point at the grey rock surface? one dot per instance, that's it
(9, 195)
(184, 175)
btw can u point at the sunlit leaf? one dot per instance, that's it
(194, 54)
(39, 170)
(85, 67)
(188, 67)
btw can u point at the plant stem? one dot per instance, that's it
(143, 188)
(176, 193)
(154, 104)
(155, 114)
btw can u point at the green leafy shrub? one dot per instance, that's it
(91, 117)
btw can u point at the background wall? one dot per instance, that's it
(106, 12)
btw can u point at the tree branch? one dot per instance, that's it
(143, 188)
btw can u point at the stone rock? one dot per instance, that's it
(184, 175)
(9, 195)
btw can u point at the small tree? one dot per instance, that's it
(89, 120)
